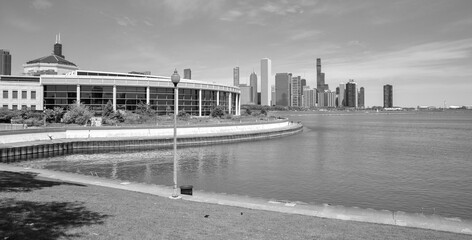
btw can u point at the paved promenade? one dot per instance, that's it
(433, 222)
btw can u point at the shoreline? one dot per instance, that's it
(402, 219)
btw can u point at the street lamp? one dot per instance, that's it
(175, 80)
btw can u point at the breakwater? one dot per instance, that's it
(56, 142)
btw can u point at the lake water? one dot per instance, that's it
(413, 162)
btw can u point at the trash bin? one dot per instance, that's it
(186, 189)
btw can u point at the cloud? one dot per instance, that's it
(305, 34)
(21, 24)
(126, 21)
(42, 4)
(183, 10)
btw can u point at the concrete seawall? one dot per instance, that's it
(69, 141)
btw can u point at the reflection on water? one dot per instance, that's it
(414, 162)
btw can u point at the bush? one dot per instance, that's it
(217, 112)
(78, 114)
(108, 109)
(6, 115)
(264, 112)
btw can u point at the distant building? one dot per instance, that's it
(266, 71)
(320, 77)
(282, 89)
(187, 73)
(342, 95)
(302, 85)
(360, 98)
(246, 94)
(54, 64)
(5, 62)
(253, 84)
(351, 94)
(388, 96)
(295, 92)
(236, 76)
(272, 95)
(308, 97)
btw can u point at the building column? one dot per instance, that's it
(78, 95)
(148, 95)
(114, 97)
(229, 103)
(238, 104)
(199, 102)
(217, 98)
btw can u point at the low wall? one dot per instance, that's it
(99, 140)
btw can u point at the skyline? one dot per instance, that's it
(422, 48)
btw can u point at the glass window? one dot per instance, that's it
(24, 107)
(5, 93)
(5, 106)
(15, 94)
(33, 107)
(33, 94)
(15, 107)
(23, 95)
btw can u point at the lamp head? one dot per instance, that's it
(175, 78)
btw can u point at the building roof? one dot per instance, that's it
(52, 59)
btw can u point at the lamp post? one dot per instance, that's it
(175, 80)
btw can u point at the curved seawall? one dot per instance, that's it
(38, 143)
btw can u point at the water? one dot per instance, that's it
(413, 162)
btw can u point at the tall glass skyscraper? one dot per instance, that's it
(320, 77)
(388, 96)
(282, 89)
(236, 76)
(253, 84)
(351, 94)
(5, 62)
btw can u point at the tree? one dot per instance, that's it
(217, 112)
(78, 114)
(108, 109)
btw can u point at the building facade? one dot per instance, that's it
(266, 71)
(246, 94)
(388, 96)
(5, 62)
(125, 91)
(282, 89)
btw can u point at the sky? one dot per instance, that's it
(421, 47)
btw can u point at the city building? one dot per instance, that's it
(309, 96)
(295, 100)
(282, 89)
(236, 76)
(5, 62)
(253, 84)
(351, 94)
(388, 96)
(266, 71)
(54, 64)
(361, 98)
(124, 90)
(187, 73)
(342, 95)
(330, 99)
(246, 94)
(321, 86)
(272, 95)
(302, 84)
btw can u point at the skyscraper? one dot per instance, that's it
(246, 94)
(302, 84)
(388, 96)
(187, 73)
(266, 71)
(320, 77)
(351, 94)
(236, 76)
(253, 84)
(282, 89)
(360, 98)
(5, 62)
(342, 95)
(295, 92)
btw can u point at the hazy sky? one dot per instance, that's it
(423, 47)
